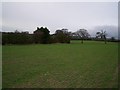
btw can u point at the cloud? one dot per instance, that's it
(112, 31)
(70, 15)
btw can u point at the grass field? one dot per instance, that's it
(89, 65)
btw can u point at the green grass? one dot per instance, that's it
(89, 65)
(0, 66)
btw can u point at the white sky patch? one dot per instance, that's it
(59, 0)
(26, 16)
(0, 16)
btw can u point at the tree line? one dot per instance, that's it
(42, 36)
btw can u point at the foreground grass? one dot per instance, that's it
(88, 65)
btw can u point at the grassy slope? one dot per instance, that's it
(0, 66)
(89, 65)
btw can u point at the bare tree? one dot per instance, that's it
(102, 35)
(82, 34)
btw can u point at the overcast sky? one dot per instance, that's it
(26, 16)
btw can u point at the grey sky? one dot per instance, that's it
(59, 0)
(26, 16)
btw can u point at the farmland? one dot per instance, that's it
(89, 65)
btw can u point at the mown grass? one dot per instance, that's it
(89, 65)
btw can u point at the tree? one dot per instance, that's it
(82, 34)
(46, 35)
(112, 38)
(62, 36)
(15, 37)
(41, 35)
(102, 35)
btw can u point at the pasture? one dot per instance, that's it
(89, 65)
